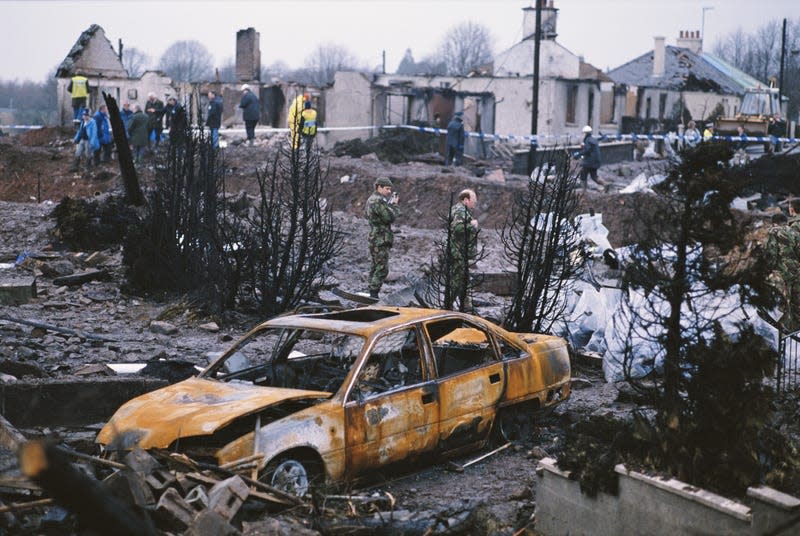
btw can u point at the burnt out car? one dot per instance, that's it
(328, 396)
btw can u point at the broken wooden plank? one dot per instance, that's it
(20, 507)
(453, 466)
(18, 483)
(80, 278)
(57, 329)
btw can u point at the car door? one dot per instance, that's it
(391, 412)
(470, 382)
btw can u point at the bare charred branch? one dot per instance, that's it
(540, 241)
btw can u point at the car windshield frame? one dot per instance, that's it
(336, 353)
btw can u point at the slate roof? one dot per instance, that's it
(687, 71)
(65, 69)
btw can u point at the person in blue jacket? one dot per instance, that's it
(125, 114)
(86, 141)
(251, 112)
(590, 158)
(103, 135)
(455, 140)
(214, 117)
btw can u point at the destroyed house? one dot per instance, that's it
(494, 100)
(94, 57)
(672, 84)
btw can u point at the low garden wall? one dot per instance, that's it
(657, 506)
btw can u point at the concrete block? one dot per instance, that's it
(140, 461)
(197, 497)
(17, 290)
(130, 487)
(160, 479)
(226, 497)
(174, 511)
(210, 524)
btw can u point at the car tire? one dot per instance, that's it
(291, 475)
(512, 424)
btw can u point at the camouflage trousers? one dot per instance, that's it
(459, 281)
(380, 266)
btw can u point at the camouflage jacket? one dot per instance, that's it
(462, 232)
(380, 215)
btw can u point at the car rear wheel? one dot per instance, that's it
(512, 424)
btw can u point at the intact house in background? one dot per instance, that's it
(661, 90)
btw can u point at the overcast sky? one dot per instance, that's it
(35, 36)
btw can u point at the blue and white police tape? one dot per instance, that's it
(536, 139)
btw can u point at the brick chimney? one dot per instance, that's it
(658, 56)
(248, 55)
(691, 40)
(549, 16)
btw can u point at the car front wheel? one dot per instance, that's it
(293, 475)
(290, 476)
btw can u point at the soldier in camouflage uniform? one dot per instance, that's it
(783, 253)
(463, 245)
(381, 210)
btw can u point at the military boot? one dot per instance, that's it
(76, 164)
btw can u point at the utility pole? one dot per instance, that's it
(384, 62)
(783, 59)
(535, 98)
(703, 22)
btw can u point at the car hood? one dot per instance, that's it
(193, 407)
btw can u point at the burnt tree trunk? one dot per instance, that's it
(133, 192)
(96, 507)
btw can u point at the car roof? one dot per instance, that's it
(362, 321)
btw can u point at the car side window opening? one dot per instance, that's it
(293, 358)
(509, 351)
(394, 362)
(459, 345)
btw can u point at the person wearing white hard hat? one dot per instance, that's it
(590, 157)
(251, 112)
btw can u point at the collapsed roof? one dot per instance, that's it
(685, 71)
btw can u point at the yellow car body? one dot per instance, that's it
(338, 394)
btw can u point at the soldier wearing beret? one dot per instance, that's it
(381, 210)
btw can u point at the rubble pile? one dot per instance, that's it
(157, 492)
(395, 146)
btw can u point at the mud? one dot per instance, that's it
(33, 178)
